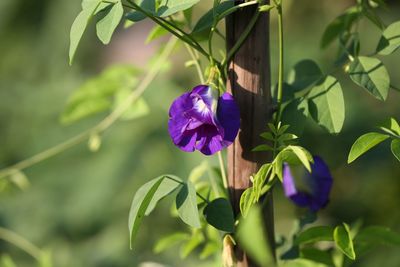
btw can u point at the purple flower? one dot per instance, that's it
(317, 186)
(201, 120)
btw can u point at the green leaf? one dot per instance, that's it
(252, 237)
(247, 199)
(169, 241)
(295, 114)
(79, 25)
(315, 234)
(267, 136)
(195, 240)
(137, 109)
(260, 178)
(339, 25)
(391, 126)
(395, 147)
(287, 137)
(210, 249)
(156, 33)
(377, 235)
(327, 104)
(262, 148)
(390, 40)
(372, 75)
(303, 155)
(343, 241)
(304, 74)
(365, 143)
(140, 203)
(186, 204)
(219, 214)
(317, 255)
(110, 18)
(96, 94)
(167, 186)
(202, 28)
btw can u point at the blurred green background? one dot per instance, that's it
(78, 202)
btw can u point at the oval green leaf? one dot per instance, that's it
(372, 75)
(390, 40)
(326, 104)
(110, 18)
(365, 143)
(220, 215)
(186, 204)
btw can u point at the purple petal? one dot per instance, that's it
(301, 199)
(180, 105)
(228, 116)
(319, 182)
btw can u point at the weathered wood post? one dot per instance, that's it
(249, 82)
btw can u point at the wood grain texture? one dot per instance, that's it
(249, 82)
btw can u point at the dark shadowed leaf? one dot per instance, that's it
(304, 74)
(339, 25)
(395, 147)
(219, 214)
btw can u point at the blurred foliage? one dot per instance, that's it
(77, 203)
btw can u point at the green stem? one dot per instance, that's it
(183, 36)
(235, 8)
(223, 173)
(21, 243)
(196, 63)
(280, 68)
(241, 40)
(102, 125)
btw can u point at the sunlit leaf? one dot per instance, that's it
(326, 104)
(110, 18)
(372, 75)
(343, 240)
(79, 25)
(186, 203)
(365, 143)
(390, 40)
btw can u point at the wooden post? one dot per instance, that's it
(249, 82)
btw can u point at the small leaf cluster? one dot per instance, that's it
(284, 150)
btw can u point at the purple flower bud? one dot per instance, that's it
(317, 186)
(200, 120)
